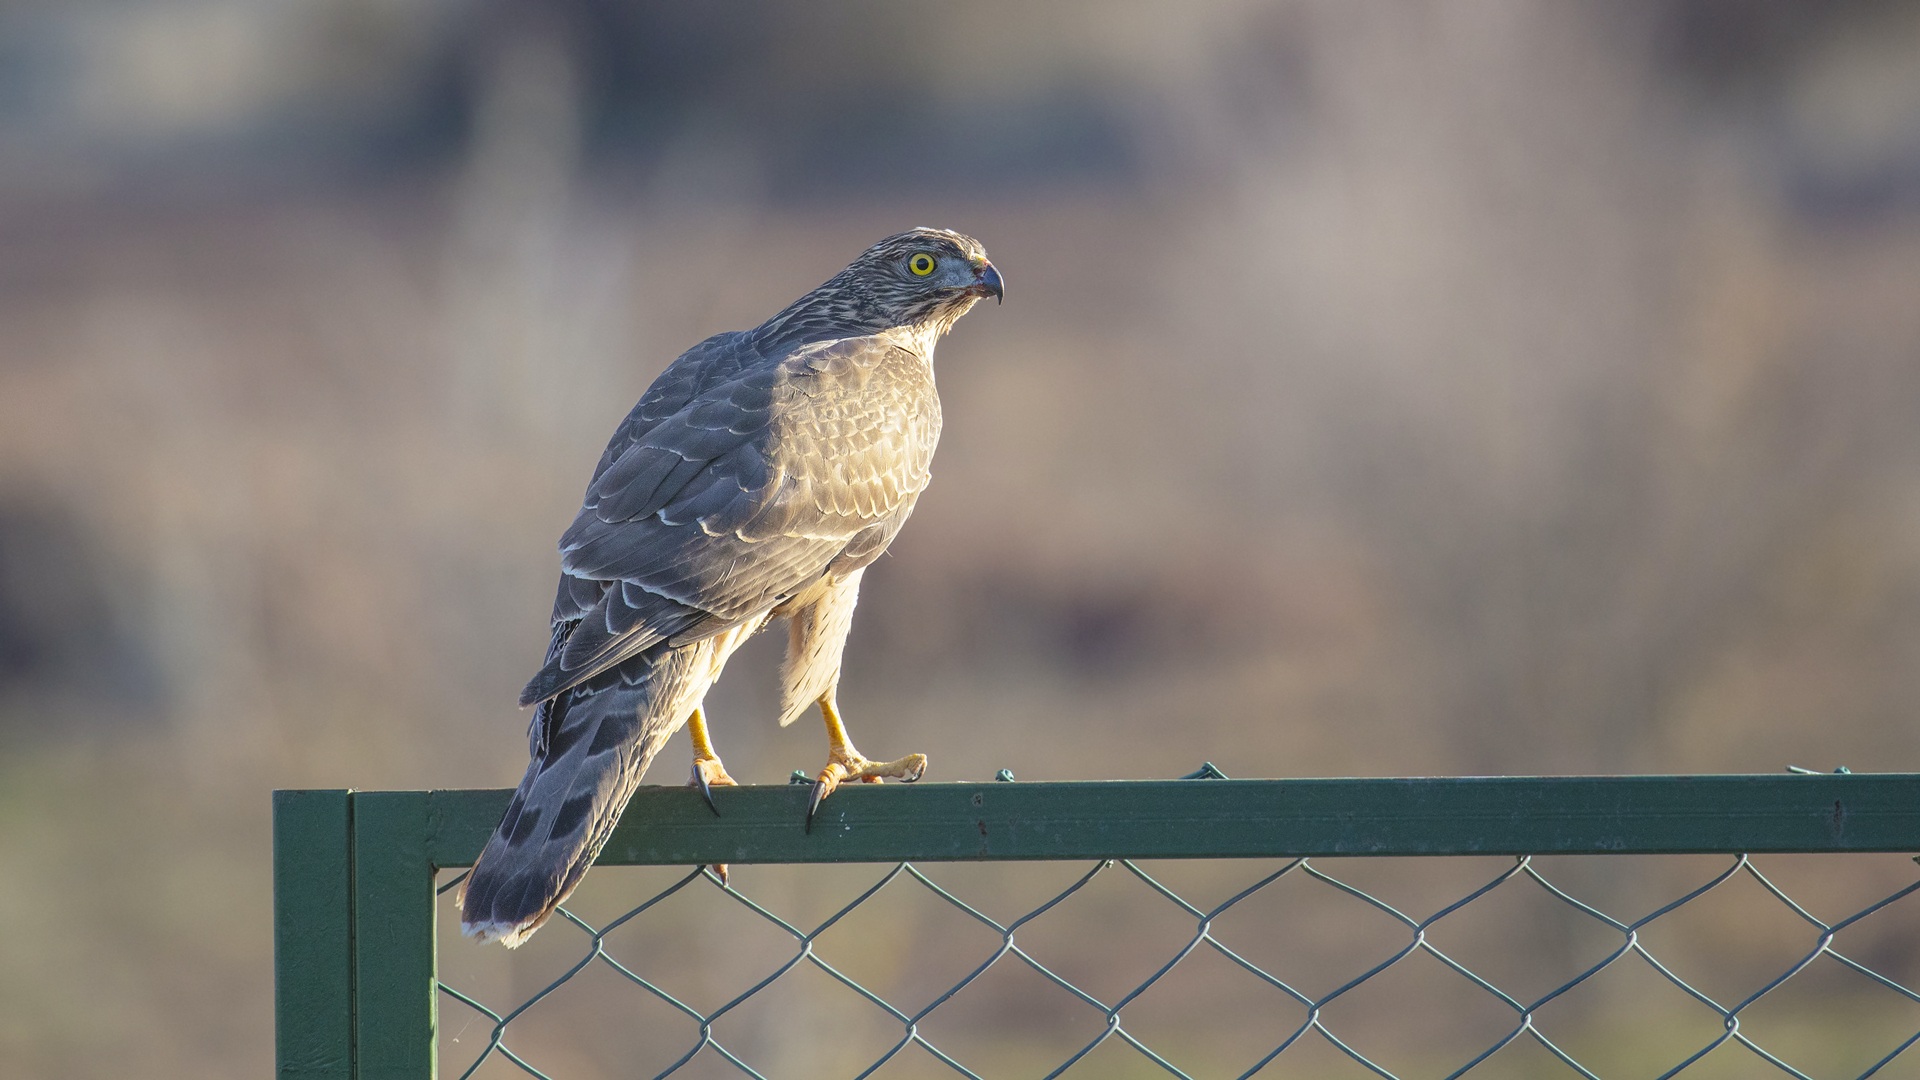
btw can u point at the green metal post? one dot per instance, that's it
(396, 1010)
(313, 935)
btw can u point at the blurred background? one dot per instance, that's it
(1388, 389)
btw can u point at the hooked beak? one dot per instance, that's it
(986, 282)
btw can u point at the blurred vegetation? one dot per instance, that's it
(1516, 387)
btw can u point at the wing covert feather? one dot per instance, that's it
(765, 476)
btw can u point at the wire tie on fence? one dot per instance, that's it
(1207, 771)
(1004, 776)
(799, 777)
(1840, 771)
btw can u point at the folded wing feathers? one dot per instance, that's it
(739, 498)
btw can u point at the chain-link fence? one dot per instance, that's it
(1297, 1018)
(1323, 928)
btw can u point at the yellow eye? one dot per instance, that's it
(921, 264)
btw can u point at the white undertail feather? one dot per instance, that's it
(507, 934)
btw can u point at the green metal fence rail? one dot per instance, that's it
(358, 995)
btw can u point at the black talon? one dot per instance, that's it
(813, 804)
(700, 775)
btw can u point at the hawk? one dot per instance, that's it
(756, 479)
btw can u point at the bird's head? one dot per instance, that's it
(921, 280)
(923, 272)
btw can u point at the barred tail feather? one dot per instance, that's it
(593, 745)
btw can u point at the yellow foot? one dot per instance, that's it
(708, 774)
(844, 763)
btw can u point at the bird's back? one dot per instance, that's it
(699, 369)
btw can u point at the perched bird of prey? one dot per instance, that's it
(760, 474)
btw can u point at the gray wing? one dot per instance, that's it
(706, 365)
(760, 482)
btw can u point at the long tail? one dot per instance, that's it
(591, 746)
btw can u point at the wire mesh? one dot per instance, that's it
(1297, 1023)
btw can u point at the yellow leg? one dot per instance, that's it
(708, 773)
(846, 763)
(703, 746)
